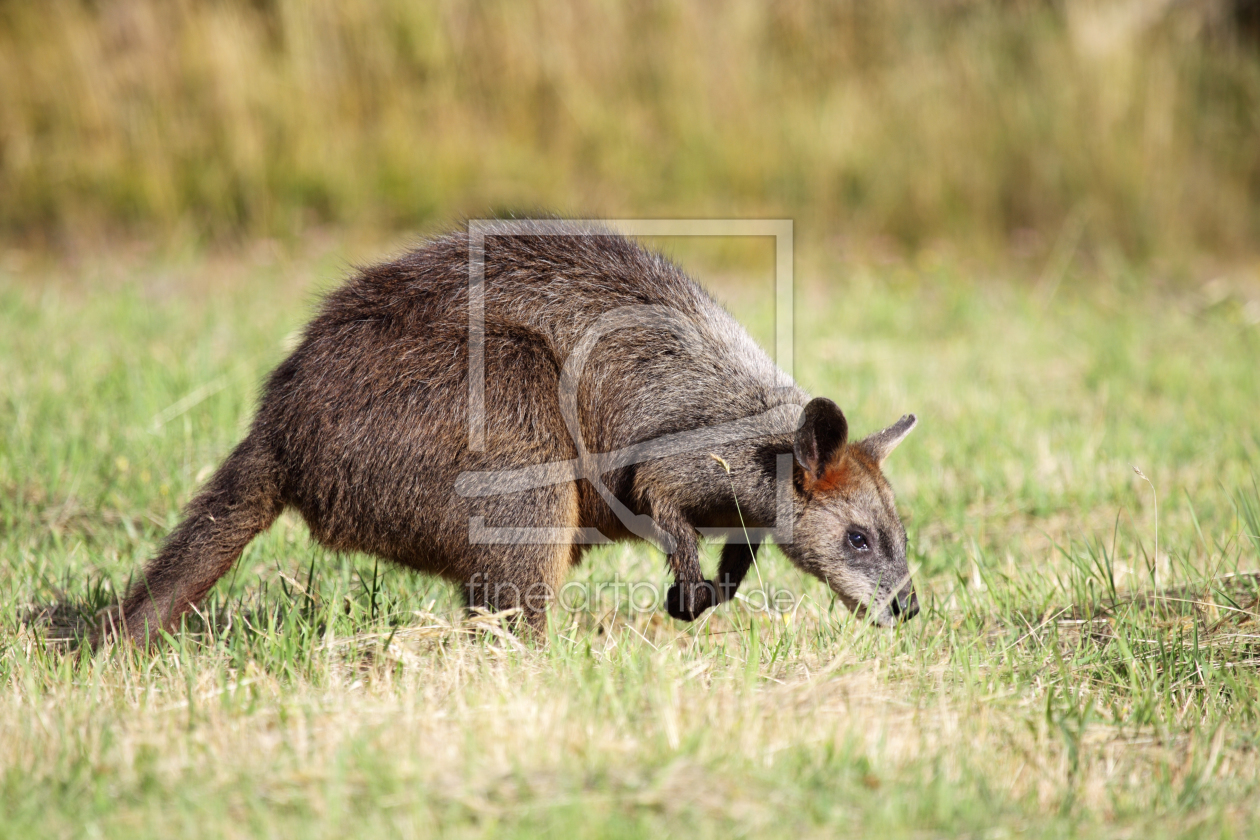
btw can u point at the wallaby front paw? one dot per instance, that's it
(698, 597)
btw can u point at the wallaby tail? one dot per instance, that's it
(239, 502)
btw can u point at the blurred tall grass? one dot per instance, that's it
(971, 121)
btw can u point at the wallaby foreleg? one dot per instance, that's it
(737, 559)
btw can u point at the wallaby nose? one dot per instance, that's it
(906, 605)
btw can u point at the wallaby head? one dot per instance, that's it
(847, 531)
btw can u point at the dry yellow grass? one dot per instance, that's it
(442, 728)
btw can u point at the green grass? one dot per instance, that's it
(1043, 692)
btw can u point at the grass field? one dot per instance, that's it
(1043, 691)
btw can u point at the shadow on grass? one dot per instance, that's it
(65, 623)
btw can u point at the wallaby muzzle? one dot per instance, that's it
(906, 605)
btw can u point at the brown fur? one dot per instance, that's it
(363, 430)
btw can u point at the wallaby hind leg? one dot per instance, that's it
(526, 570)
(532, 585)
(239, 502)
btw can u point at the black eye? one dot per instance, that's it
(858, 540)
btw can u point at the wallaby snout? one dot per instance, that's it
(906, 605)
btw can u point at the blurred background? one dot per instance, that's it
(1034, 223)
(986, 127)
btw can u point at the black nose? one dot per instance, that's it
(906, 605)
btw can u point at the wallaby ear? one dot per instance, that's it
(882, 443)
(822, 432)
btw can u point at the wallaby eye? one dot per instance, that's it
(858, 540)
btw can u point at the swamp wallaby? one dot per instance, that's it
(484, 408)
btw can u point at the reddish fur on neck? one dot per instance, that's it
(844, 469)
(836, 473)
(834, 476)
